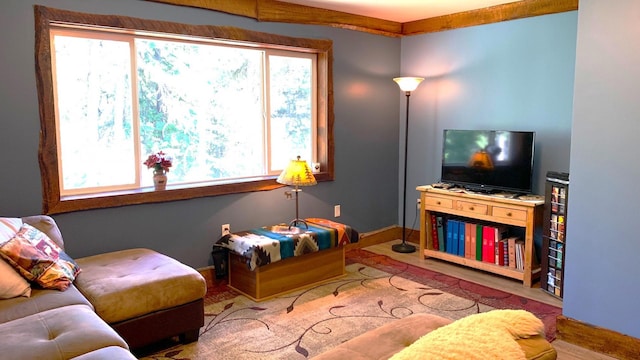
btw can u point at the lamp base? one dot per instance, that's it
(295, 222)
(403, 247)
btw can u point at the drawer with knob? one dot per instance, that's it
(472, 207)
(436, 202)
(508, 213)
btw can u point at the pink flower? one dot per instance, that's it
(159, 161)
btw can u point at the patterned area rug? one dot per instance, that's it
(300, 325)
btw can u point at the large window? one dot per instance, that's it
(230, 109)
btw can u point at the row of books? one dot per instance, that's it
(489, 243)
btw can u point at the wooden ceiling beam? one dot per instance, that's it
(279, 11)
(493, 14)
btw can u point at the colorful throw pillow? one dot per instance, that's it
(11, 283)
(39, 259)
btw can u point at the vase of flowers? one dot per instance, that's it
(160, 162)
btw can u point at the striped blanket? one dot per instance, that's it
(270, 244)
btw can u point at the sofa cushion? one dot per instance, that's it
(61, 333)
(11, 283)
(126, 284)
(107, 353)
(39, 259)
(40, 300)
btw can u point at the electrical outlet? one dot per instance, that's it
(418, 202)
(336, 211)
(225, 230)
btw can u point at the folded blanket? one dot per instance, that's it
(489, 335)
(270, 244)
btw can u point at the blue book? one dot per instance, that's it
(454, 237)
(449, 245)
(461, 235)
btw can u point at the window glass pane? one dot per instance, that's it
(201, 104)
(291, 105)
(94, 113)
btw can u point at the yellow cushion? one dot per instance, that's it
(489, 335)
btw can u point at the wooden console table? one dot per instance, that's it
(525, 214)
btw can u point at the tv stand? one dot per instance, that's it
(526, 214)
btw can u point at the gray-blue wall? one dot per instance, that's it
(602, 269)
(514, 75)
(366, 143)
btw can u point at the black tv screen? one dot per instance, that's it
(488, 160)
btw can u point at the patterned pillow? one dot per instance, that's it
(39, 259)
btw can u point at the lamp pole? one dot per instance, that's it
(407, 84)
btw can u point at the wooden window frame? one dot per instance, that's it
(47, 153)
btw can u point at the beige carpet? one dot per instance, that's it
(306, 323)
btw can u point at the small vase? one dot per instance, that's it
(159, 179)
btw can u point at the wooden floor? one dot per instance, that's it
(566, 351)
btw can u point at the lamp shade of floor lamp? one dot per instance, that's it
(297, 173)
(406, 84)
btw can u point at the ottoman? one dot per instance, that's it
(144, 295)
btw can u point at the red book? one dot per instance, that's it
(501, 252)
(434, 233)
(500, 232)
(488, 244)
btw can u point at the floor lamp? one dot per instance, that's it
(407, 84)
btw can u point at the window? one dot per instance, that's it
(230, 106)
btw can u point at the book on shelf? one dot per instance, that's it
(488, 244)
(469, 242)
(499, 252)
(520, 254)
(504, 252)
(512, 251)
(461, 237)
(441, 237)
(449, 245)
(478, 242)
(454, 236)
(491, 236)
(434, 233)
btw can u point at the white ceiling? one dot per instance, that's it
(400, 10)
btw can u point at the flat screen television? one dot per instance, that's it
(488, 160)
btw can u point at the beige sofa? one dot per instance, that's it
(101, 315)
(393, 338)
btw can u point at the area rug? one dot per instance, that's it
(300, 325)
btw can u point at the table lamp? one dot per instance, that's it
(297, 173)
